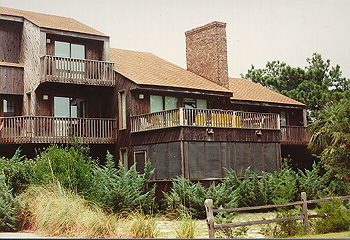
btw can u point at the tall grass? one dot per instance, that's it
(53, 211)
(140, 225)
(185, 227)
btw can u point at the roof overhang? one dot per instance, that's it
(11, 18)
(267, 104)
(74, 34)
(155, 88)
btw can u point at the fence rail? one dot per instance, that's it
(81, 71)
(204, 118)
(305, 216)
(37, 129)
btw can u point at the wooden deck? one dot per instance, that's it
(78, 71)
(35, 129)
(209, 118)
(295, 135)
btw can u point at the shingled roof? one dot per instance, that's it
(51, 21)
(246, 90)
(147, 69)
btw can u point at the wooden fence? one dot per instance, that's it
(305, 216)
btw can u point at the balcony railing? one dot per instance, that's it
(204, 118)
(79, 71)
(34, 129)
(295, 135)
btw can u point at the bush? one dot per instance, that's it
(65, 165)
(284, 229)
(337, 221)
(18, 171)
(186, 197)
(9, 208)
(251, 191)
(119, 189)
(227, 217)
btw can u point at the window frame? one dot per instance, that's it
(123, 161)
(122, 108)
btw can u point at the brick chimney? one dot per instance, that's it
(206, 52)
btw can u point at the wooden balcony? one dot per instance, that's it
(209, 118)
(35, 129)
(295, 135)
(78, 71)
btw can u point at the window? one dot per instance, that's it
(160, 103)
(122, 110)
(69, 50)
(283, 120)
(156, 103)
(69, 107)
(67, 68)
(140, 160)
(195, 103)
(202, 104)
(9, 106)
(123, 157)
(170, 103)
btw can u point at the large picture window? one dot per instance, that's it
(160, 103)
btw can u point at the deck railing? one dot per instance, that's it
(295, 135)
(204, 118)
(35, 129)
(80, 71)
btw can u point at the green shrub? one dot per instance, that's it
(119, 189)
(337, 221)
(251, 192)
(9, 208)
(18, 171)
(228, 217)
(186, 197)
(284, 229)
(66, 165)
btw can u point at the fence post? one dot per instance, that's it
(210, 217)
(305, 215)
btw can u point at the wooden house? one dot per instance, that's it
(60, 81)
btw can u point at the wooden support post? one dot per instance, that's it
(181, 116)
(305, 215)
(210, 217)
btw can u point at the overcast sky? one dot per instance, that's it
(257, 30)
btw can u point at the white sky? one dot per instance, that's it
(257, 30)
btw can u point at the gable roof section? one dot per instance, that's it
(147, 69)
(51, 21)
(246, 90)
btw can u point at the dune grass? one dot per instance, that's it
(52, 211)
